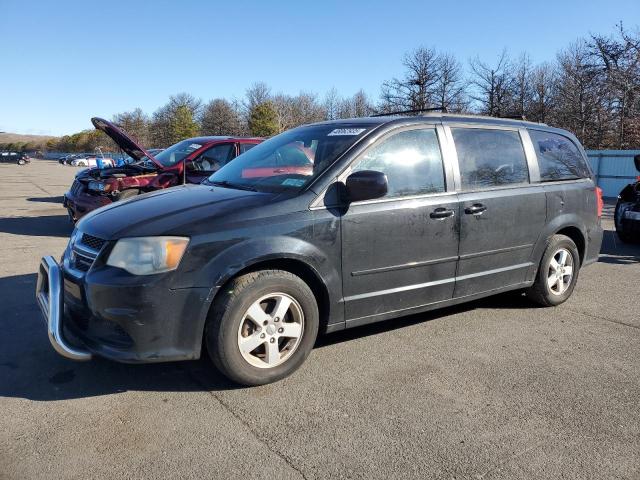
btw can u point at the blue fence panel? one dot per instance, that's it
(613, 168)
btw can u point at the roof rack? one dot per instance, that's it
(419, 110)
(515, 116)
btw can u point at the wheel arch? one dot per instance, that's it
(575, 234)
(297, 267)
(569, 225)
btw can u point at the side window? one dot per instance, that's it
(490, 157)
(411, 160)
(558, 157)
(245, 147)
(214, 159)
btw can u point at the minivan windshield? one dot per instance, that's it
(176, 153)
(291, 160)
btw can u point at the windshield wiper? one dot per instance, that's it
(227, 184)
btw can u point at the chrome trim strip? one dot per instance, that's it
(497, 250)
(403, 266)
(437, 282)
(87, 252)
(398, 289)
(495, 270)
(51, 303)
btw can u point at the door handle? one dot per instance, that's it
(441, 213)
(475, 209)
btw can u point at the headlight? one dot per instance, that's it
(99, 186)
(148, 255)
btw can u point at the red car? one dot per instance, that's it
(94, 187)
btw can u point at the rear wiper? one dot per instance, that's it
(227, 184)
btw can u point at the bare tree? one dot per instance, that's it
(619, 59)
(220, 117)
(416, 90)
(521, 88)
(136, 124)
(449, 90)
(491, 85)
(331, 104)
(543, 80)
(256, 94)
(579, 96)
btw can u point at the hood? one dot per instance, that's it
(124, 141)
(174, 211)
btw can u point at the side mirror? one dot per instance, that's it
(366, 185)
(636, 160)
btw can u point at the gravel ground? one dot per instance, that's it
(493, 389)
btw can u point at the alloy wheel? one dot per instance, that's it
(560, 272)
(271, 330)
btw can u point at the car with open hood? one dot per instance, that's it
(325, 227)
(146, 171)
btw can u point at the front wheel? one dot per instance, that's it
(262, 327)
(557, 274)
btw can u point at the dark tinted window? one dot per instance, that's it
(490, 158)
(558, 157)
(411, 160)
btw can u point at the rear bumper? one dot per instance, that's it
(49, 297)
(594, 243)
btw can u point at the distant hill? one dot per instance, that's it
(19, 138)
(16, 141)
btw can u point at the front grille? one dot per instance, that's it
(82, 262)
(92, 242)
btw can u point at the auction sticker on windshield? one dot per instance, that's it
(345, 131)
(294, 182)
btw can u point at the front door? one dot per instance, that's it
(400, 252)
(501, 213)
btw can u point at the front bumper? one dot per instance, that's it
(50, 300)
(118, 316)
(79, 204)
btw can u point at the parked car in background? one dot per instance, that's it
(92, 161)
(627, 212)
(94, 188)
(398, 215)
(14, 157)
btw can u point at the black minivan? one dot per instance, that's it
(395, 215)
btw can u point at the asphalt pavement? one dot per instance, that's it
(497, 388)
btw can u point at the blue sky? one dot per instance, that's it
(65, 61)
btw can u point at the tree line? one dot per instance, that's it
(591, 88)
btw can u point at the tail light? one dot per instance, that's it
(599, 201)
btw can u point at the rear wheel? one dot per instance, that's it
(263, 327)
(21, 162)
(557, 274)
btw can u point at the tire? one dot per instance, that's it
(21, 162)
(130, 193)
(551, 295)
(230, 323)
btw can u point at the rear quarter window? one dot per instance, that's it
(558, 157)
(490, 158)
